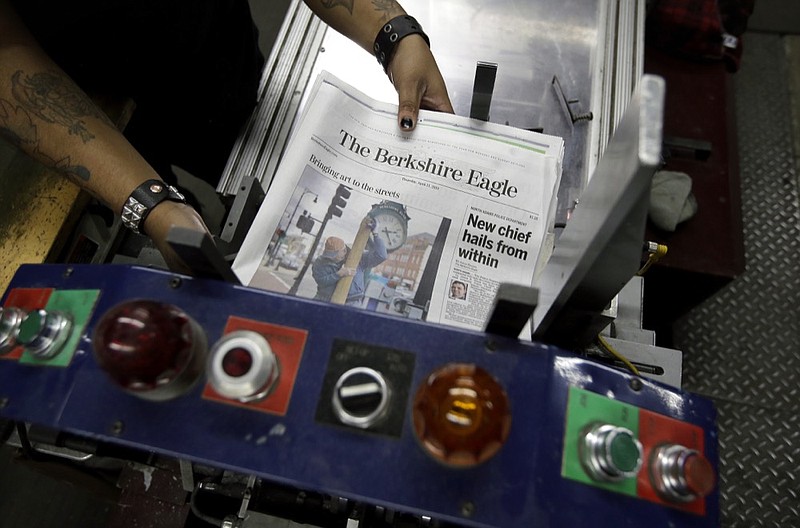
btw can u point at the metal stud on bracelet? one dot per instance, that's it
(143, 199)
(393, 32)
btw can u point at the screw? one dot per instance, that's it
(117, 427)
(467, 509)
(3, 403)
(588, 116)
(636, 384)
(491, 345)
(68, 272)
(175, 283)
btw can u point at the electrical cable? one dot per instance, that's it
(611, 350)
(657, 252)
(196, 510)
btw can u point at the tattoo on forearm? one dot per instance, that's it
(16, 125)
(54, 98)
(330, 4)
(388, 7)
(76, 173)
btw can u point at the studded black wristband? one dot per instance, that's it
(143, 199)
(393, 32)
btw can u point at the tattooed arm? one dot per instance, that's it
(47, 116)
(413, 70)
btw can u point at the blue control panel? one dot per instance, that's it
(344, 402)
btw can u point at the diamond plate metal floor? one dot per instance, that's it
(742, 347)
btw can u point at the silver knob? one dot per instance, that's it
(361, 397)
(243, 367)
(10, 319)
(44, 333)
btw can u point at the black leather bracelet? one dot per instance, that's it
(393, 32)
(143, 199)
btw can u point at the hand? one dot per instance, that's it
(369, 222)
(161, 219)
(418, 82)
(345, 272)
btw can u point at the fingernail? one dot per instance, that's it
(406, 123)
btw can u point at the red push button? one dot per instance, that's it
(680, 474)
(243, 367)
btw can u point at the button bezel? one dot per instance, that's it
(10, 320)
(54, 330)
(596, 453)
(259, 381)
(668, 474)
(368, 420)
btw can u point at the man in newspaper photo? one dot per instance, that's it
(329, 267)
(458, 290)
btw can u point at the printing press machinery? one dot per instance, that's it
(269, 410)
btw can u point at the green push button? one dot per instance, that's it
(625, 452)
(51, 336)
(44, 333)
(31, 326)
(592, 454)
(611, 453)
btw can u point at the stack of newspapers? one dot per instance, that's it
(450, 210)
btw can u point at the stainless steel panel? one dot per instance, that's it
(262, 140)
(593, 47)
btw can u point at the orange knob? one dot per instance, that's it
(461, 415)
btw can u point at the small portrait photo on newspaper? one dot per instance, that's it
(458, 290)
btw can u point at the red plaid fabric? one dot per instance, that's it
(735, 14)
(688, 27)
(696, 28)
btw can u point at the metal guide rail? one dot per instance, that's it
(567, 69)
(453, 427)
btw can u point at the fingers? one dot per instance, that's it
(418, 82)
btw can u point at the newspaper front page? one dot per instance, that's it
(423, 225)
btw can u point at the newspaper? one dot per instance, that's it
(423, 225)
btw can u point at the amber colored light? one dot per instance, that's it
(461, 415)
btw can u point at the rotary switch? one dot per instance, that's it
(43, 333)
(681, 474)
(361, 397)
(10, 321)
(243, 367)
(610, 453)
(461, 415)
